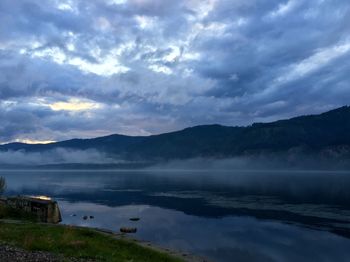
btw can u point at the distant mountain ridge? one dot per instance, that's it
(325, 134)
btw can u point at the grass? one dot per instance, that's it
(77, 242)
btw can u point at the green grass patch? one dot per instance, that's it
(77, 242)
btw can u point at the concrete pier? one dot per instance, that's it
(46, 209)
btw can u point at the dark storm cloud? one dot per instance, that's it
(86, 68)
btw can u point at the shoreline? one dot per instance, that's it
(183, 256)
(147, 244)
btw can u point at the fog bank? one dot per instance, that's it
(56, 156)
(259, 162)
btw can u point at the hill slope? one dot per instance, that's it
(327, 133)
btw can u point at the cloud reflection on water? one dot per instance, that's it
(248, 216)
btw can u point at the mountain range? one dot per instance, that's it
(326, 135)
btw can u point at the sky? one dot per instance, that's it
(81, 69)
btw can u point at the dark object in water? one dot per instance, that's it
(74, 215)
(128, 229)
(134, 219)
(85, 217)
(91, 217)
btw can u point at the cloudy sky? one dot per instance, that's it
(77, 68)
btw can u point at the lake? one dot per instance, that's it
(219, 215)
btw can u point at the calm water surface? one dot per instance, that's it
(223, 216)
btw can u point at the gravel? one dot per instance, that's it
(14, 254)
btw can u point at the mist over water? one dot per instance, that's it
(66, 157)
(246, 215)
(266, 162)
(55, 156)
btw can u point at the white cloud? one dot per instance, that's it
(283, 9)
(108, 67)
(201, 7)
(321, 58)
(73, 104)
(160, 69)
(116, 2)
(33, 141)
(146, 22)
(105, 66)
(54, 53)
(66, 5)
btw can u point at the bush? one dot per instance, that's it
(2, 185)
